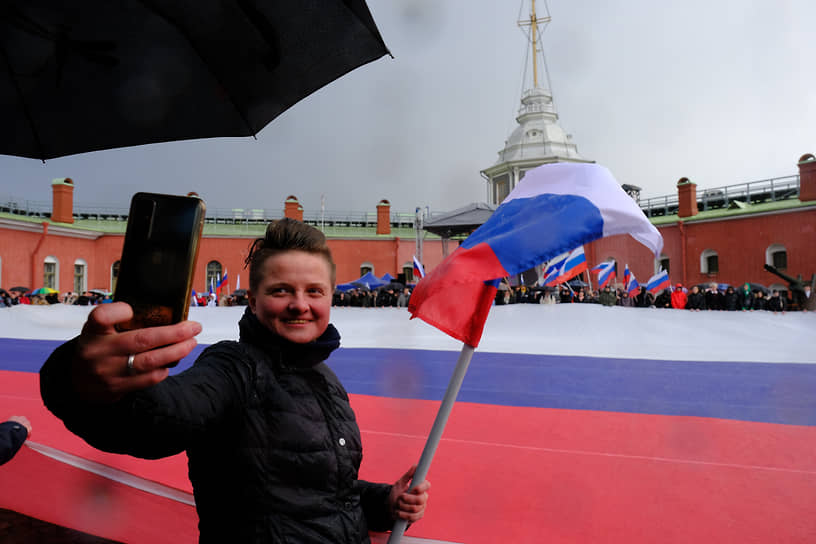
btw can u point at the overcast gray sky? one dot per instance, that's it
(719, 91)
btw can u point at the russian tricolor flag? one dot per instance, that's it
(606, 273)
(633, 285)
(555, 208)
(574, 265)
(658, 282)
(221, 284)
(550, 275)
(419, 271)
(626, 276)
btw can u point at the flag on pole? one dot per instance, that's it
(419, 271)
(555, 208)
(211, 286)
(551, 271)
(221, 284)
(633, 285)
(574, 265)
(238, 282)
(658, 282)
(626, 276)
(606, 273)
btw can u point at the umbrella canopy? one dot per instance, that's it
(758, 287)
(91, 75)
(44, 291)
(20, 289)
(239, 293)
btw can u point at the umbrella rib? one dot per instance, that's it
(158, 11)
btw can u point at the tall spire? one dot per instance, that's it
(533, 37)
(538, 139)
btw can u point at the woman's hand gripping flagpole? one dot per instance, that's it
(436, 431)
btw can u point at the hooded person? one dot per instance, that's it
(678, 298)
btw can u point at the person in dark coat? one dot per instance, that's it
(13, 434)
(759, 301)
(271, 439)
(731, 299)
(695, 300)
(713, 297)
(644, 299)
(775, 302)
(663, 300)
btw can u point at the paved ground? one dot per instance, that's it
(19, 529)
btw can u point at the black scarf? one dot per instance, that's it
(292, 355)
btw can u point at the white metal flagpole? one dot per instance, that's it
(436, 431)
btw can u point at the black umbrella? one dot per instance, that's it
(239, 293)
(100, 74)
(20, 289)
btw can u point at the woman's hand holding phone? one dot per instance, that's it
(109, 364)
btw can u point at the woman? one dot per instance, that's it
(273, 445)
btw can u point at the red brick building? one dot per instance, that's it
(731, 241)
(71, 251)
(720, 236)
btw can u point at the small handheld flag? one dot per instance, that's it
(633, 285)
(606, 273)
(221, 284)
(419, 271)
(574, 265)
(550, 273)
(626, 276)
(658, 282)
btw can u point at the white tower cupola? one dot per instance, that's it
(538, 139)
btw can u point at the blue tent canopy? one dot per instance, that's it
(368, 280)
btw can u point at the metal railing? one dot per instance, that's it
(752, 192)
(226, 216)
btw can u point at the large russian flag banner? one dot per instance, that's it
(555, 208)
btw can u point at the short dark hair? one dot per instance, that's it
(286, 235)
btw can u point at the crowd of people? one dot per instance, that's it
(87, 298)
(705, 297)
(383, 297)
(698, 297)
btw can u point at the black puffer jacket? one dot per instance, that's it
(273, 445)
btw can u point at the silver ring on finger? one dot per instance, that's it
(131, 358)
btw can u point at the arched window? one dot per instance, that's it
(114, 275)
(213, 275)
(777, 256)
(51, 272)
(709, 262)
(662, 264)
(365, 268)
(80, 276)
(408, 272)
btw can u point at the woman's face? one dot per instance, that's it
(294, 298)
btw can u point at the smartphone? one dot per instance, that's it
(158, 258)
